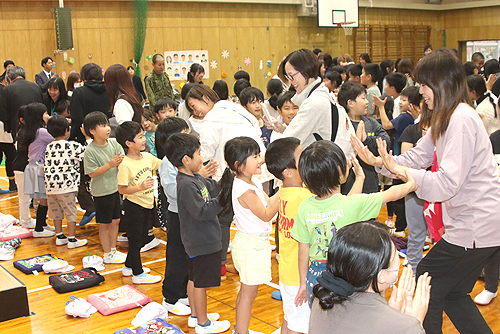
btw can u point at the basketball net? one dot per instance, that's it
(347, 30)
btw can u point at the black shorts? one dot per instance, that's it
(204, 270)
(107, 208)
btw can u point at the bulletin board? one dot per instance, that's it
(177, 63)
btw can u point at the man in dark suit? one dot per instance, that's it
(44, 76)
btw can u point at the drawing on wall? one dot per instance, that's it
(177, 63)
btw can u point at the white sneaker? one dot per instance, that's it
(128, 271)
(61, 241)
(150, 245)
(43, 234)
(148, 279)
(485, 297)
(115, 257)
(77, 243)
(192, 322)
(185, 301)
(122, 238)
(29, 223)
(178, 308)
(48, 227)
(214, 327)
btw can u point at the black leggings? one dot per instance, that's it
(10, 153)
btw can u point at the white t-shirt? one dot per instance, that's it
(123, 111)
(244, 219)
(396, 112)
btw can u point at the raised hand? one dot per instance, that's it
(416, 305)
(358, 170)
(387, 160)
(364, 153)
(360, 131)
(378, 102)
(209, 169)
(116, 160)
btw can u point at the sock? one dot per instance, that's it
(60, 235)
(206, 324)
(141, 275)
(113, 250)
(108, 254)
(41, 216)
(71, 239)
(12, 185)
(193, 316)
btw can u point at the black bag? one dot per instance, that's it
(335, 118)
(76, 280)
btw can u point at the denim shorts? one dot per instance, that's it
(316, 268)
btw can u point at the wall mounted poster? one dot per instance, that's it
(177, 63)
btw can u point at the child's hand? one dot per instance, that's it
(361, 132)
(210, 169)
(414, 111)
(378, 102)
(491, 80)
(148, 183)
(358, 170)
(116, 160)
(301, 297)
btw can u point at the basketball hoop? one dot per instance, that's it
(347, 30)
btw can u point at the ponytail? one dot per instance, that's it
(273, 101)
(226, 190)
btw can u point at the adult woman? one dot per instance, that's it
(56, 92)
(196, 73)
(314, 118)
(406, 67)
(362, 265)
(122, 95)
(467, 184)
(73, 81)
(141, 95)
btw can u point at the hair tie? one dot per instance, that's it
(335, 284)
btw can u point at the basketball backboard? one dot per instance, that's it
(337, 13)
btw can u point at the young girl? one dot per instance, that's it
(35, 137)
(253, 211)
(149, 127)
(485, 102)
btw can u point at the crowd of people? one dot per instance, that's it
(320, 152)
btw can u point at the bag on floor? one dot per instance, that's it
(155, 326)
(33, 264)
(76, 280)
(7, 221)
(120, 299)
(16, 231)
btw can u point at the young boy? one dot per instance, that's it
(394, 85)
(251, 99)
(200, 230)
(165, 108)
(355, 72)
(62, 109)
(369, 78)
(62, 177)
(282, 160)
(287, 111)
(135, 183)
(101, 160)
(323, 168)
(353, 98)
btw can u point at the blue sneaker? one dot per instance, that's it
(86, 219)
(3, 191)
(276, 295)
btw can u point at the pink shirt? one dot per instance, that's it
(467, 182)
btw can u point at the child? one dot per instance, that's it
(199, 228)
(149, 126)
(165, 108)
(282, 160)
(333, 80)
(62, 108)
(287, 110)
(135, 183)
(355, 72)
(369, 78)
(253, 211)
(394, 84)
(251, 99)
(62, 178)
(353, 98)
(35, 138)
(101, 160)
(323, 167)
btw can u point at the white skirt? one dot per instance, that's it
(34, 181)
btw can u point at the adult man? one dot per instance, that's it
(157, 82)
(44, 76)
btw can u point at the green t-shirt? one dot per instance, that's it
(98, 156)
(317, 221)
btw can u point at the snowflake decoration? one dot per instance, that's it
(247, 61)
(213, 64)
(225, 54)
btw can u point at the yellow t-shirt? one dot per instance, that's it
(290, 199)
(133, 172)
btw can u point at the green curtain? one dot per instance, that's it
(140, 10)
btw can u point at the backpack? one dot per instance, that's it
(335, 118)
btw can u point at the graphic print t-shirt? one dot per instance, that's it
(62, 166)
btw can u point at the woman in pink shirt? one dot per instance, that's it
(467, 183)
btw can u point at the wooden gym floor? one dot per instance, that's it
(47, 306)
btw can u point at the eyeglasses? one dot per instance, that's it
(290, 76)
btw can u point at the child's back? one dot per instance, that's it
(62, 163)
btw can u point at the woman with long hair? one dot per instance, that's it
(196, 73)
(56, 92)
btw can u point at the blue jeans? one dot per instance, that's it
(316, 268)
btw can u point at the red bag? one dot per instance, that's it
(433, 212)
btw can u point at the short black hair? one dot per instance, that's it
(427, 47)
(57, 126)
(242, 75)
(45, 60)
(240, 85)
(127, 132)
(285, 98)
(280, 156)
(373, 70)
(7, 63)
(334, 76)
(61, 106)
(92, 120)
(396, 80)
(338, 68)
(350, 90)
(469, 68)
(185, 89)
(356, 70)
(321, 165)
(180, 145)
(477, 56)
(165, 129)
(317, 51)
(165, 102)
(250, 94)
(155, 57)
(413, 94)
(91, 72)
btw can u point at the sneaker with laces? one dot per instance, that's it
(485, 297)
(185, 301)
(128, 271)
(61, 241)
(150, 245)
(192, 322)
(214, 327)
(77, 243)
(178, 308)
(43, 234)
(114, 257)
(148, 279)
